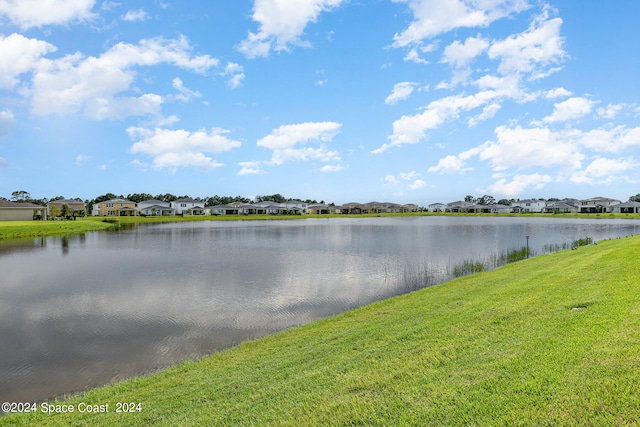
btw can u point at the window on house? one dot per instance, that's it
(109, 205)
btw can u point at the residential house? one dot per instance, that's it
(437, 207)
(479, 209)
(233, 208)
(187, 206)
(21, 211)
(115, 207)
(528, 206)
(155, 208)
(500, 209)
(562, 206)
(77, 206)
(597, 205)
(627, 207)
(458, 206)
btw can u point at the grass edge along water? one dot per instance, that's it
(549, 341)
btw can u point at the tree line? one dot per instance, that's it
(22, 196)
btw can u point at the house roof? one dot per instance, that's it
(19, 205)
(186, 200)
(66, 201)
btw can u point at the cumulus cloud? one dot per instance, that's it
(406, 178)
(603, 170)
(400, 92)
(331, 168)
(571, 109)
(460, 54)
(234, 74)
(432, 18)
(37, 13)
(97, 85)
(282, 24)
(180, 148)
(135, 15)
(18, 55)
(250, 168)
(288, 142)
(7, 120)
(184, 93)
(533, 52)
(518, 184)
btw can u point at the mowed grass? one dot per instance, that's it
(550, 341)
(28, 229)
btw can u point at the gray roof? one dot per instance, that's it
(19, 205)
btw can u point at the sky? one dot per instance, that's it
(405, 101)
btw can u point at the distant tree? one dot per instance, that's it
(635, 198)
(486, 200)
(168, 198)
(139, 197)
(20, 196)
(54, 211)
(277, 198)
(505, 202)
(469, 198)
(65, 210)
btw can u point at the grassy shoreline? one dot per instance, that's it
(12, 230)
(547, 341)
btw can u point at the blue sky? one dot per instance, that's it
(408, 101)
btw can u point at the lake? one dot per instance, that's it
(81, 311)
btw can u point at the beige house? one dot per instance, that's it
(115, 207)
(12, 211)
(76, 205)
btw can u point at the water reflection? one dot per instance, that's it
(80, 311)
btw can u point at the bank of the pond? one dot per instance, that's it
(30, 229)
(552, 340)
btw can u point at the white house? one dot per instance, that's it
(155, 208)
(437, 207)
(187, 206)
(597, 204)
(529, 206)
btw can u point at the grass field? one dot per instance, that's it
(553, 340)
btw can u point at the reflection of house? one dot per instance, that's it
(188, 206)
(628, 207)
(13, 211)
(115, 207)
(597, 204)
(155, 208)
(76, 205)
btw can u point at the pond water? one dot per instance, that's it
(77, 312)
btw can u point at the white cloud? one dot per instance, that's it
(391, 179)
(250, 168)
(460, 54)
(412, 129)
(603, 170)
(331, 168)
(7, 120)
(282, 24)
(19, 55)
(96, 85)
(571, 109)
(488, 112)
(432, 18)
(135, 15)
(401, 91)
(37, 13)
(519, 183)
(180, 148)
(235, 74)
(610, 111)
(185, 94)
(81, 158)
(286, 140)
(558, 92)
(417, 184)
(610, 140)
(533, 51)
(530, 147)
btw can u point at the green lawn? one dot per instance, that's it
(553, 340)
(30, 229)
